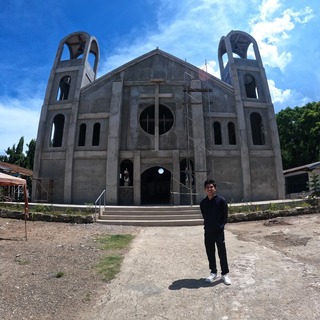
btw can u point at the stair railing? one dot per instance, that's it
(97, 204)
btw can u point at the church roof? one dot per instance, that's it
(155, 52)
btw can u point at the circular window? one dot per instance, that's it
(165, 121)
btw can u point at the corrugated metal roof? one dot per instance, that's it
(13, 169)
(306, 167)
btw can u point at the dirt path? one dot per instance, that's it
(274, 270)
(274, 273)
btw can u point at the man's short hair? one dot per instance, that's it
(210, 181)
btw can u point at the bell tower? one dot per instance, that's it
(74, 67)
(241, 66)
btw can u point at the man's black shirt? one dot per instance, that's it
(214, 213)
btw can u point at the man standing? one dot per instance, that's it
(214, 209)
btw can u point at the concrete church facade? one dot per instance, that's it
(151, 131)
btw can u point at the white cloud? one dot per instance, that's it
(283, 98)
(278, 95)
(211, 67)
(271, 29)
(268, 7)
(18, 119)
(188, 29)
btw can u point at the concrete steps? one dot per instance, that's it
(151, 215)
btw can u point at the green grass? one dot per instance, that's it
(59, 274)
(109, 266)
(115, 241)
(115, 245)
(40, 208)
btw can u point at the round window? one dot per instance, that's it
(165, 121)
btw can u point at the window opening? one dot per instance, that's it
(225, 60)
(64, 88)
(232, 133)
(91, 59)
(57, 131)
(217, 132)
(82, 135)
(251, 87)
(147, 119)
(165, 119)
(65, 53)
(250, 52)
(96, 134)
(257, 129)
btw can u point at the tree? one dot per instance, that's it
(16, 156)
(30, 154)
(299, 134)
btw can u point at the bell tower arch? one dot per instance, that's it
(74, 67)
(241, 65)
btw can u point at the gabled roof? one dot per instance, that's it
(157, 51)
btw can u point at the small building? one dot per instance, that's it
(152, 130)
(298, 178)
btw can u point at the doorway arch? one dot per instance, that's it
(155, 186)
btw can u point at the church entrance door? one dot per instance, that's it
(155, 186)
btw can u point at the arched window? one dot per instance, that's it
(96, 134)
(217, 132)
(126, 173)
(64, 88)
(251, 86)
(232, 133)
(258, 137)
(57, 131)
(82, 135)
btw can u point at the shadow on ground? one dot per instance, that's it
(193, 284)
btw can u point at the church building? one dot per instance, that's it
(153, 130)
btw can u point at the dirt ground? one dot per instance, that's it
(274, 267)
(29, 286)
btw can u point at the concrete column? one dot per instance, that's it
(156, 117)
(274, 136)
(112, 170)
(39, 146)
(200, 162)
(70, 130)
(136, 178)
(243, 139)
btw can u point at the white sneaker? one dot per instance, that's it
(226, 280)
(212, 277)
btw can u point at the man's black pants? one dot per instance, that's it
(211, 239)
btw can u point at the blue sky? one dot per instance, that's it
(287, 32)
